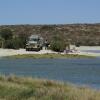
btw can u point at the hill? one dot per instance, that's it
(83, 34)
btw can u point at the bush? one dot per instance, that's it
(11, 41)
(0, 44)
(22, 40)
(18, 43)
(6, 34)
(58, 44)
(14, 43)
(8, 44)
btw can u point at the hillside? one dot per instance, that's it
(84, 34)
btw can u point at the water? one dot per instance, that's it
(91, 51)
(77, 71)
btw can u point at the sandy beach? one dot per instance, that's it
(11, 52)
(89, 50)
(82, 50)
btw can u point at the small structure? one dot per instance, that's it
(34, 43)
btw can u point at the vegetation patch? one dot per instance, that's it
(79, 34)
(21, 88)
(51, 56)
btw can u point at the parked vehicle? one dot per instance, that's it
(34, 43)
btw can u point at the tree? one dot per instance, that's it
(6, 34)
(1, 42)
(22, 40)
(58, 43)
(9, 44)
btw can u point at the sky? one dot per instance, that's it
(49, 11)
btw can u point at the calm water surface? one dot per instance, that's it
(77, 71)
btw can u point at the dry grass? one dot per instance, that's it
(15, 88)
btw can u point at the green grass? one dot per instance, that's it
(37, 56)
(15, 88)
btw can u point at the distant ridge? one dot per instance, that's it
(84, 34)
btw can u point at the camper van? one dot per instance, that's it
(34, 43)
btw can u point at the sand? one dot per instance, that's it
(85, 50)
(11, 52)
(79, 50)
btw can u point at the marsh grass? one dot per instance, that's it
(51, 56)
(21, 88)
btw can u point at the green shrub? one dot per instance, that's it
(58, 44)
(17, 43)
(22, 40)
(6, 34)
(8, 44)
(14, 43)
(0, 44)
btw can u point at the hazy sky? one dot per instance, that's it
(49, 11)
